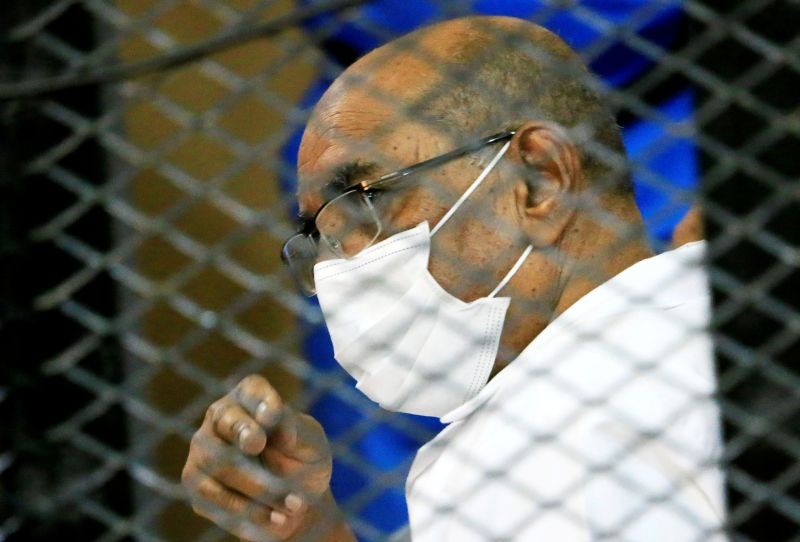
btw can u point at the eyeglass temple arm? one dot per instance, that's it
(433, 162)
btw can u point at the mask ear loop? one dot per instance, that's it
(471, 189)
(512, 272)
(467, 193)
(521, 260)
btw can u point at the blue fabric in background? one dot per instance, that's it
(665, 165)
(665, 174)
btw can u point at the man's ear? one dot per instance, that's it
(551, 173)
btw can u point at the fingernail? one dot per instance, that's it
(265, 415)
(293, 502)
(261, 410)
(278, 518)
(244, 434)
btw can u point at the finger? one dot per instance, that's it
(312, 444)
(283, 437)
(294, 504)
(300, 454)
(243, 474)
(300, 436)
(302, 480)
(236, 513)
(260, 400)
(220, 461)
(233, 424)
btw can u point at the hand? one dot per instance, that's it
(255, 467)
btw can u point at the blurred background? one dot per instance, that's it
(147, 155)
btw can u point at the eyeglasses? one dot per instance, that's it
(349, 223)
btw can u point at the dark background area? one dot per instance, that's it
(752, 206)
(43, 475)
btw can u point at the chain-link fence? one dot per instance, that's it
(149, 181)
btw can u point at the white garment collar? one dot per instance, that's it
(665, 280)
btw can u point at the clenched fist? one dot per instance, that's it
(260, 470)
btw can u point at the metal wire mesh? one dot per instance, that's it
(149, 157)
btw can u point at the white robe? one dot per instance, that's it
(604, 428)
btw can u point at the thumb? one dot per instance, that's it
(300, 437)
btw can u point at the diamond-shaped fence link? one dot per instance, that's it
(150, 177)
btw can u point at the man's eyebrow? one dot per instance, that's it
(343, 176)
(346, 175)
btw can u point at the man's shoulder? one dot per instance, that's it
(665, 280)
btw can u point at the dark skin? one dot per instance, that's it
(690, 228)
(580, 240)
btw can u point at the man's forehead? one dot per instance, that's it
(365, 117)
(332, 145)
(344, 137)
(343, 133)
(370, 98)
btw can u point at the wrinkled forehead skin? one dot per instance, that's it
(366, 114)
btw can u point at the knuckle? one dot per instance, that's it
(188, 475)
(208, 457)
(257, 388)
(226, 420)
(251, 383)
(204, 488)
(218, 465)
(227, 504)
(216, 410)
(224, 473)
(197, 444)
(312, 425)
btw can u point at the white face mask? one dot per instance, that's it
(411, 346)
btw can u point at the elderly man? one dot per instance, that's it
(470, 230)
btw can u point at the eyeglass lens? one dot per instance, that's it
(347, 225)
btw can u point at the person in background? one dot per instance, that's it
(469, 227)
(690, 228)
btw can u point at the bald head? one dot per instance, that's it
(477, 75)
